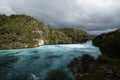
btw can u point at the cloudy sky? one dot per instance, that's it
(94, 16)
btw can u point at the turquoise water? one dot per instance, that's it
(33, 63)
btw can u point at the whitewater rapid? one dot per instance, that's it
(34, 63)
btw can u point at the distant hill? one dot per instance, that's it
(21, 31)
(77, 35)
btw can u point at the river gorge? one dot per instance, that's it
(34, 63)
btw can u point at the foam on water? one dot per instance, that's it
(33, 63)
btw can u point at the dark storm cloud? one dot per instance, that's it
(90, 15)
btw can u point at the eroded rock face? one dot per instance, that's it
(40, 42)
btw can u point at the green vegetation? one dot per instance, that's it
(103, 69)
(77, 35)
(57, 75)
(106, 66)
(17, 31)
(109, 43)
(56, 37)
(80, 64)
(21, 31)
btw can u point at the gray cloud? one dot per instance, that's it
(90, 15)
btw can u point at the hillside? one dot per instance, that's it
(77, 35)
(106, 66)
(109, 43)
(21, 31)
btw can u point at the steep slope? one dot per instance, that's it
(109, 43)
(20, 31)
(77, 35)
(106, 66)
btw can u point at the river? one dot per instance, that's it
(34, 63)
